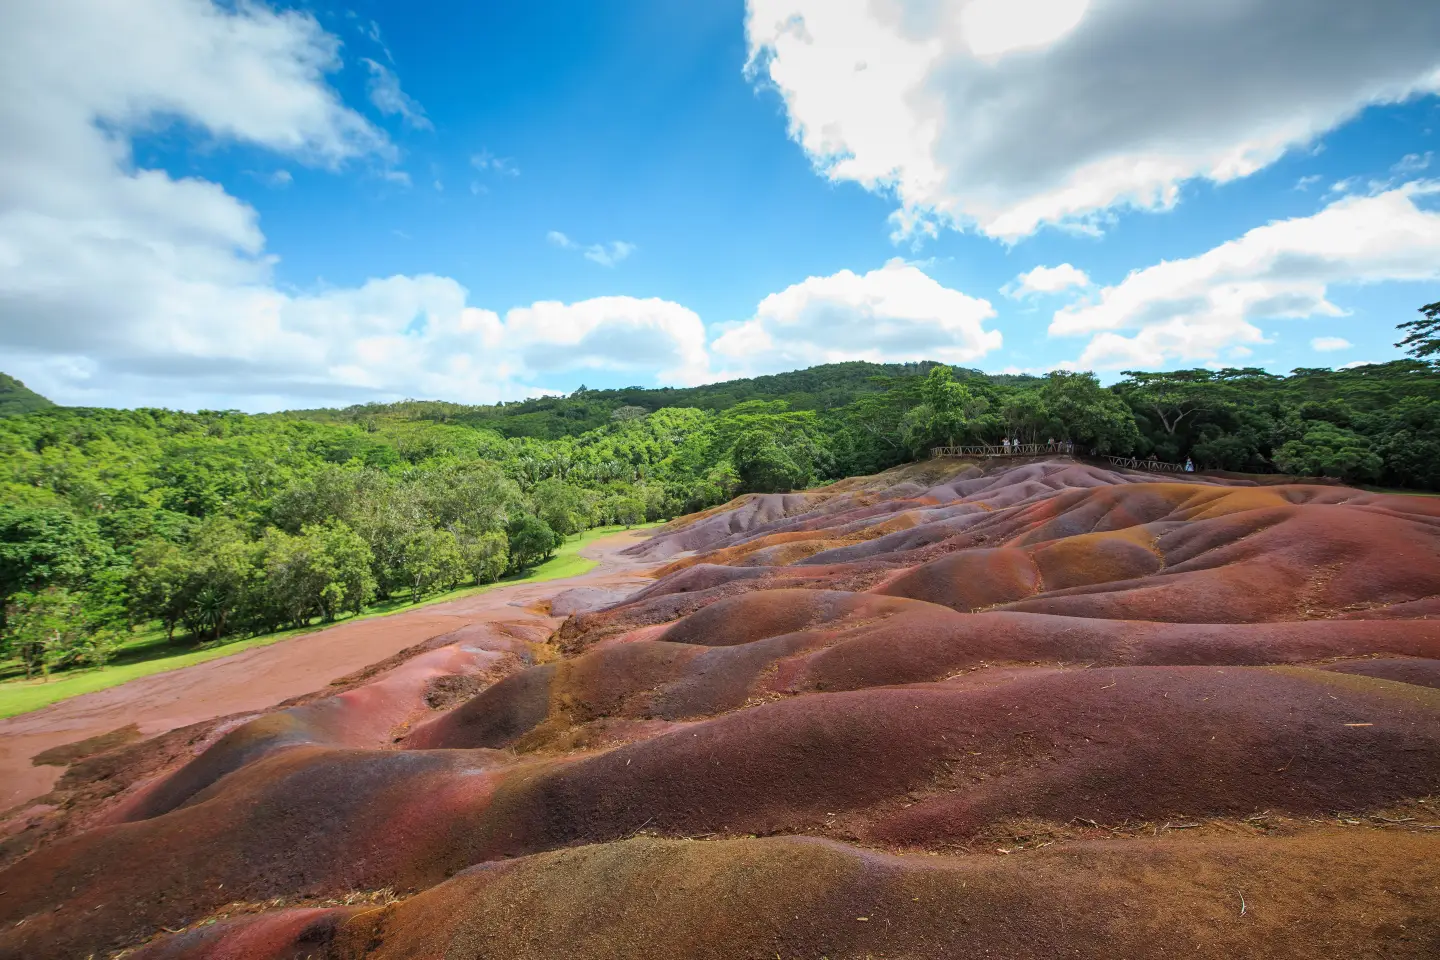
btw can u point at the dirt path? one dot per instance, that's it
(262, 677)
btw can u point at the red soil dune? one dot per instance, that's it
(1040, 711)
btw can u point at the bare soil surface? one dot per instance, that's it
(260, 678)
(955, 710)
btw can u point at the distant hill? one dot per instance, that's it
(17, 399)
(826, 387)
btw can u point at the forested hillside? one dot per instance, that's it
(16, 398)
(828, 387)
(220, 523)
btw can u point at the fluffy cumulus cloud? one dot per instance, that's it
(1208, 308)
(122, 284)
(1012, 114)
(1330, 344)
(610, 333)
(895, 314)
(1046, 281)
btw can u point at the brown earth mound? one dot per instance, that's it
(1319, 893)
(1191, 716)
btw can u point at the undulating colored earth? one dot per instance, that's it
(956, 710)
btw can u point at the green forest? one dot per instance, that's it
(220, 524)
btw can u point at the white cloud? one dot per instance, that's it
(389, 99)
(1412, 163)
(1011, 114)
(605, 254)
(897, 313)
(120, 284)
(1330, 344)
(609, 254)
(485, 160)
(373, 34)
(1358, 363)
(1205, 307)
(993, 28)
(609, 333)
(1305, 183)
(1047, 280)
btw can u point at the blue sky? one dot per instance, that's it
(266, 206)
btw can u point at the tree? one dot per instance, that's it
(628, 413)
(43, 629)
(322, 572)
(477, 495)
(770, 446)
(487, 556)
(159, 580)
(1423, 337)
(1330, 451)
(332, 493)
(433, 561)
(1085, 412)
(223, 563)
(1026, 417)
(387, 526)
(764, 466)
(1170, 397)
(531, 541)
(629, 511)
(345, 561)
(946, 415)
(45, 546)
(562, 506)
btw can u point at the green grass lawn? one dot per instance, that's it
(149, 652)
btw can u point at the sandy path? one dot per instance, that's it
(259, 678)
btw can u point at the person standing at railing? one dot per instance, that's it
(1189, 465)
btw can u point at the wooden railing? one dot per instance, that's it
(1001, 450)
(1160, 466)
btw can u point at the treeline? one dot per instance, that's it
(217, 524)
(1376, 424)
(825, 388)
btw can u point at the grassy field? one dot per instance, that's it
(149, 652)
